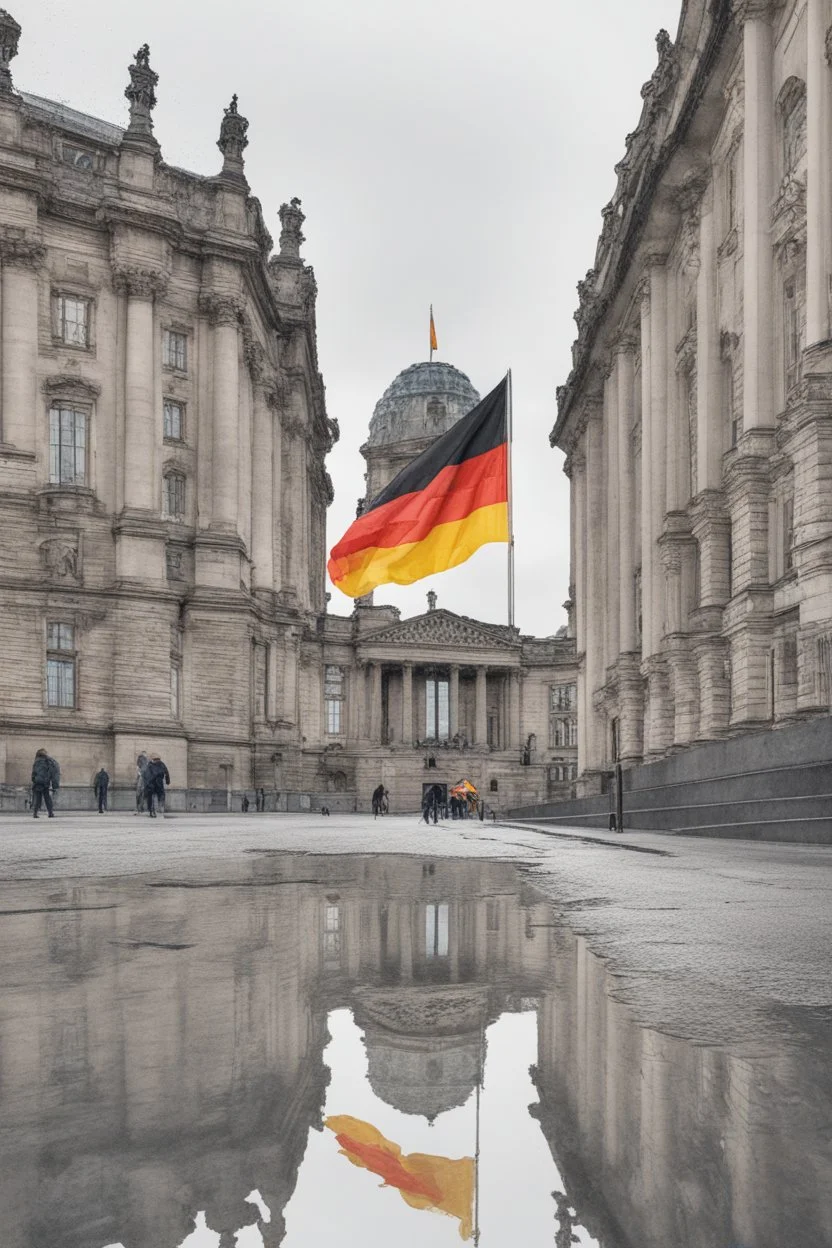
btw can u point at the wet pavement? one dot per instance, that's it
(535, 1039)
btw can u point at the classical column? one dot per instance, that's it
(595, 589)
(453, 699)
(758, 144)
(142, 488)
(262, 491)
(624, 366)
(578, 491)
(225, 314)
(646, 477)
(21, 261)
(710, 434)
(611, 439)
(481, 712)
(819, 180)
(514, 710)
(658, 438)
(375, 703)
(407, 704)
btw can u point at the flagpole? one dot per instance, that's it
(477, 1145)
(431, 333)
(510, 423)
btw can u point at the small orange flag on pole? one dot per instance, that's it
(442, 1184)
(433, 346)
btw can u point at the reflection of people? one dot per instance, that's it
(155, 778)
(100, 785)
(46, 774)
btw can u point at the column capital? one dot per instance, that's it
(21, 252)
(221, 308)
(138, 282)
(624, 344)
(753, 10)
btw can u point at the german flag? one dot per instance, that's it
(441, 508)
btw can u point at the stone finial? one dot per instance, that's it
(232, 141)
(9, 36)
(142, 97)
(360, 507)
(431, 600)
(291, 220)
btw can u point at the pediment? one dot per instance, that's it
(443, 628)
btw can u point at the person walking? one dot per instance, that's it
(378, 798)
(261, 800)
(156, 777)
(100, 785)
(46, 776)
(142, 762)
(244, 805)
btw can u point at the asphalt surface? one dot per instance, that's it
(715, 941)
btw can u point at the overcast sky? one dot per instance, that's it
(445, 152)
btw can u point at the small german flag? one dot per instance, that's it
(441, 508)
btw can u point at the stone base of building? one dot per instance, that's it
(774, 785)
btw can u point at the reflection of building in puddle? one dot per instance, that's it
(162, 1053)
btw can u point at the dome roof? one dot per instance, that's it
(422, 403)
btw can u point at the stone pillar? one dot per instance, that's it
(626, 520)
(758, 148)
(658, 439)
(481, 710)
(453, 701)
(21, 262)
(142, 435)
(711, 654)
(277, 491)
(225, 314)
(819, 181)
(611, 438)
(630, 709)
(646, 477)
(578, 492)
(407, 704)
(710, 433)
(514, 720)
(375, 703)
(262, 492)
(595, 591)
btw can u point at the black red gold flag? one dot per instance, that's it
(437, 512)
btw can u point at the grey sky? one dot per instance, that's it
(445, 152)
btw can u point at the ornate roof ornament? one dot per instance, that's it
(142, 97)
(9, 37)
(232, 141)
(291, 238)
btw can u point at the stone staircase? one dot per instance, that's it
(774, 785)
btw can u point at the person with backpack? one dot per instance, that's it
(155, 778)
(100, 785)
(46, 776)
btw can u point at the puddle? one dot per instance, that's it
(382, 1051)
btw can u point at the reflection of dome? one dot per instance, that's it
(423, 1044)
(423, 402)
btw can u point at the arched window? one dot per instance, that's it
(173, 496)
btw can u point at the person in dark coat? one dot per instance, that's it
(100, 785)
(244, 805)
(378, 799)
(155, 779)
(142, 762)
(46, 775)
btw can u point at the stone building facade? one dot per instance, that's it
(163, 502)
(697, 419)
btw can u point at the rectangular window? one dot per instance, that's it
(332, 934)
(67, 446)
(564, 697)
(175, 350)
(573, 732)
(60, 665)
(333, 698)
(436, 930)
(437, 717)
(788, 534)
(173, 420)
(72, 320)
(794, 325)
(173, 496)
(176, 691)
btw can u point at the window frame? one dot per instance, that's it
(170, 401)
(174, 474)
(59, 319)
(168, 333)
(57, 408)
(334, 698)
(60, 651)
(434, 686)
